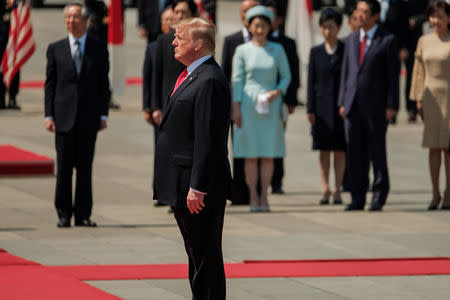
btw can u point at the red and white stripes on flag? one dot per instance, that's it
(21, 44)
(115, 41)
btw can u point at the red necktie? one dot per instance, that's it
(362, 49)
(180, 80)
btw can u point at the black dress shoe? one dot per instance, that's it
(86, 223)
(352, 207)
(375, 206)
(158, 203)
(12, 104)
(63, 222)
(445, 207)
(337, 201)
(278, 191)
(114, 105)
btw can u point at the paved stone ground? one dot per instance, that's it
(132, 231)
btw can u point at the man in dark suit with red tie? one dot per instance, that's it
(76, 108)
(192, 172)
(368, 100)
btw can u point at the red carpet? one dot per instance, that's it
(259, 269)
(16, 161)
(39, 84)
(7, 259)
(39, 283)
(22, 279)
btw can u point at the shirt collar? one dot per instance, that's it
(191, 68)
(246, 34)
(82, 40)
(370, 33)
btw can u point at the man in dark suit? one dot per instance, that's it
(76, 108)
(98, 19)
(394, 19)
(192, 169)
(290, 99)
(149, 12)
(240, 193)
(368, 100)
(166, 22)
(417, 17)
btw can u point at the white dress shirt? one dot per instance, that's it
(247, 36)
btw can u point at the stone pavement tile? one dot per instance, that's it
(386, 288)
(276, 289)
(145, 289)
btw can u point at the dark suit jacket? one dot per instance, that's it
(375, 82)
(290, 48)
(149, 17)
(397, 21)
(323, 89)
(191, 151)
(69, 97)
(229, 47)
(167, 69)
(417, 11)
(147, 75)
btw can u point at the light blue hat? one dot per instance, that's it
(259, 10)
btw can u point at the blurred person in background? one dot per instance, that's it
(327, 127)
(354, 22)
(5, 16)
(417, 10)
(149, 15)
(394, 18)
(260, 77)
(290, 100)
(98, 19)
(430, 88)
(368, 100)
(76, 109)
(239, 190)
(167, 19)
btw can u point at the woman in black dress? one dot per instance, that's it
(327, 127)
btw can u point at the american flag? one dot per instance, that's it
(21, 44)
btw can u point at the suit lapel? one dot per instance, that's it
(171, 100)
(355, 49)
(375, 41)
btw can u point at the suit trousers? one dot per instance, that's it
(13, 90)
(202, 235)
(366, 140)
(278, 173)
(74, 149)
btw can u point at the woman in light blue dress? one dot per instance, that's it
(260, 77)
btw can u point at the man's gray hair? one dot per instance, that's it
(84, 11)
